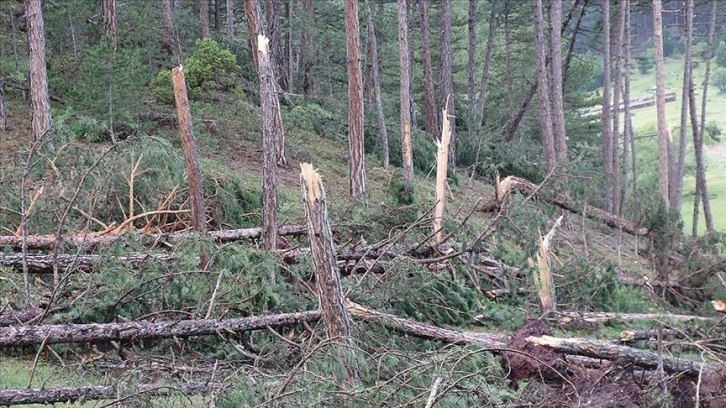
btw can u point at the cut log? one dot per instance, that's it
(606, 350)
(74, 333)
(427, 331)
(40, 242)
(649, 334)
(600, 317)
(100, 392)
(82, 263)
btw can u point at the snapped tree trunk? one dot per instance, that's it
(432, 119)
(377, 87)
(406, 150)
(191, 156)
(548, 141)
(39, 102)
(269, 135)
(327, 277)
(447, 81)
(441, 170)
(663, 179)
(204, 18)
(356, 156)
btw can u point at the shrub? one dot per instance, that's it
(645, 62)
(719, 80)
(721, 55)
(713, 132)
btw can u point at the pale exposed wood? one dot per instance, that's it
(78, 333)
(545, 283)
(442, 165)
(606, 350)
(601, 317)
(327, 276)
(24, 396)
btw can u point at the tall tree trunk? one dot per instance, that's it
(447, 80)
(571, 43)
(558, 110)
(356, 157)
(617, 89)
(254, 26)
(432, 115)
(663, 179)
(627, 120)
(377, 87)
(698, 143)
(230, 20)
(109, 20)
(471, 71)
(405, 93)
(204, 17)
(289, 59)
(268, 99)
(171, 32)
(481, 103)
(508, 57)
(3, 112)
(307, 48)
(548, 142)
(39, 102)
(217, 15)
(607, 138)
(687, 79)
(272, 15)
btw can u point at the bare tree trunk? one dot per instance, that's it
(272, 15)
(663, 179)
(109, 20)
(481, 104)
(677, 190)
(39, 102)
(406, 150)
(471, 71)
(377, 87)
(356, 157)
(573, 38)
(548, 142)
(171, 32)
(627, 120)
(558, 110)
(289, 59)
(230, 21)
(617, 89)
(3, 112)
(701, 186)
(254, 26)
(447, 82)
(217, 15)
(191, 157)
(432, 119)
(327, 277)
(204, 17)
(607, 138)
(508, 58)
(307, 48)
(269, 169)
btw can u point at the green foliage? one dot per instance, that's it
(713, 132)
(209, 67)
(721, 55)
(314, 118)
(672, 43)
(646, 62)
(719, 80)
(69, 126)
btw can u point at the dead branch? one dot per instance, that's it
(600, 317)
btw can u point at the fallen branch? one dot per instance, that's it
(604, 349)
(100, 392)
(424, 330)
(11, 317)
(81, 263)
(40, 242)
(76, 333)
(600, 317)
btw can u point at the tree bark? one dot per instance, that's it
(447, 81)
(79, 333)
(483, 91)
(269, 135)
(327, 276)
(471, 71)
(230, 21)
(405, 79)
(677, 191)
(99, 392)
(607, 130)
(663, 177)
(617, 89)
(356, 154)
(39, 102)
(274, 31)
(80, 263)
(191, 157)
(204, 17)
(432, 122)
(109, 20)
(3, 111)
(548, 141)
(254, 27)
(170, 31)
(307, 48)
(217, 15)
(377, 87)
(627, 120)
(558, 110)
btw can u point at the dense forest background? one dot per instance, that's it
(597, 121)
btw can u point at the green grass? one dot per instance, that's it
(644, 121)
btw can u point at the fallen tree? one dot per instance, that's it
(10, 317)
(100, 392)
(73, 333)
(604, 349)
(83, 263)
(90, 240)
(600, 317)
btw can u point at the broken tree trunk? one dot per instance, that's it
(511, 184)
(76, 333)
(360, 312)
(191, 158)
(600, 317)
(545, 283)
(99, 392)
(38, 242)
(327, 277)
(442, 165)
(604, 349)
